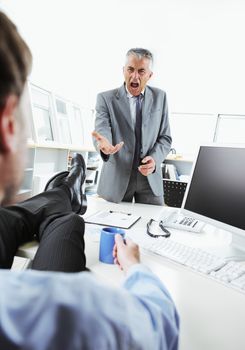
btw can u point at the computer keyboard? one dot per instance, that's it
(174, 219)
(229, 273)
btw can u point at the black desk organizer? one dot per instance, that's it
(174, 192)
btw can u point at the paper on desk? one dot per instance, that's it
(113, 218)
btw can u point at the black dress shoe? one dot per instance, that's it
(74, 182)
(56, 180)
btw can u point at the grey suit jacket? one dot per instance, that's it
(113, 120)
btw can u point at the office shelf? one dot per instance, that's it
(58, 128)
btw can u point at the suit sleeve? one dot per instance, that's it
(102, 122)
(164, 140)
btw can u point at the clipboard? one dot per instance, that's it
(113, 218)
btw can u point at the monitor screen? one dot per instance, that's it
(216, 193)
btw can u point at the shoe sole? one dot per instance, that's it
(84, 169)
(64, 173)
(83, 207)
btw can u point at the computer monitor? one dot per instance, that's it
(216, 191)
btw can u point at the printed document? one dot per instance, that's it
(113, 218)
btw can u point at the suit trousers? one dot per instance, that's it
(140, 191)
(47, 217)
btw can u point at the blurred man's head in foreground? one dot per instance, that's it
(15, 65)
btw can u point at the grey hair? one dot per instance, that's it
(141, 53)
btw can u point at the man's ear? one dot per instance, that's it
(7, 124)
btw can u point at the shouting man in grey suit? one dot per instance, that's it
(132, 134)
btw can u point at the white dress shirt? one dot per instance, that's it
(71, 311)
(132, 104)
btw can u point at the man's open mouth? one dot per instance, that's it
(134, 85)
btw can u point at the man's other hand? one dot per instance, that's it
(125, 254)
(148, 166)
(104, 145)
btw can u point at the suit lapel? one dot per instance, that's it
(147, 105)
(123, 105)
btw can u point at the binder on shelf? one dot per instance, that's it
(169, 171)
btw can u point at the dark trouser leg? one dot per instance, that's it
(61, 245)
(140, 190)
(129, 194)
(40, 210)
(20, 223)
(13, 233)
(144, 192)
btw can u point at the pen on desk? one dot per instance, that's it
(119, 212)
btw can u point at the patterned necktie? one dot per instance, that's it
(138, 125)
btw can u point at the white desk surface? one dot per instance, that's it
(212, 315)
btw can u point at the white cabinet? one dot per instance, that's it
(93, 170)
(26, 186)
(182, 165)
(63, 122)
(58, 128)
(45, 161)
(48, 161)
(51, 160)
(43, 116)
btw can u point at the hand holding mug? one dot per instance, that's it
(126, 253)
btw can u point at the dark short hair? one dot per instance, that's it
(140, 53)
(15, 60)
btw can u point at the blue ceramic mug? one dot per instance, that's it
(107, 242)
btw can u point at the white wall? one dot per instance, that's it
(79, 47)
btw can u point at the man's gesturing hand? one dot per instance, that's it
(148, 166)
(104, 145)
(125, 255)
